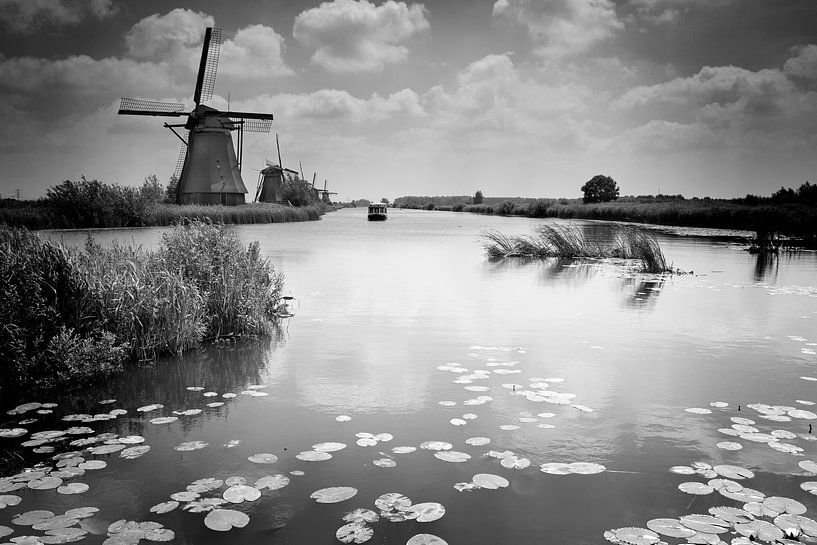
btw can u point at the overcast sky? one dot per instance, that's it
(444, 97)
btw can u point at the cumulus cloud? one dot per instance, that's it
(562, 27)
(161, 60)
(27, 15)
(804, 62)
(668, 11)
(356, 35)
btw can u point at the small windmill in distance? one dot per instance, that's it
(208, 169)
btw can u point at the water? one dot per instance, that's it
(380, 305)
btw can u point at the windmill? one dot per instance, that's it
(325, 193)
(208, 169)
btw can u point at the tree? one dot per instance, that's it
(385, 201)
(478, 197)
(297, 192)
(152, 190)
(600, 188)
(171, 192)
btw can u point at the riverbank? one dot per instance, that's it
(75, 315)
(798, 222)
(43, 217)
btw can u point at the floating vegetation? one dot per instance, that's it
(272, 482)
(384, 462)
(354, 532)
(426, 539)
(240, 493)
(190, 445)
(333, 494)
(580, 468)
(313, 456)
(452, 456)
(224, 520)
(553, 240)
(263, 458)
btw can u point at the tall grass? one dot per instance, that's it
(570, 242)
(71, 316)
(171, 214)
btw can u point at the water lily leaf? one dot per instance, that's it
(586, 468)
(383, 437)
(210, 394)
(164, 419)
(462, 487)
(132, 439)
(392, 501)
(555, 468)
(46, 483)
(426, 539)
(514, 462)
(329, 447)
(185, 495)
(705, 524)
(784, 505)
(719, 404)
(699, 489)
(30, 518)
(800, 413)
(313, 456)
(458, 422)
(224, 520)
(354, 532)
(5, 531)
(808, 465)
(384, 462)
(235, 480)
(149, 408)
(760, 530)
(729, 445)
(682, 470)
(160, 534)
(263, 458)
(204, 505)
(343, 418)
(333, 494)
(744, 495)
(195, 388)
(733, 472)
(272, 482)
(670, 527)
(477, 441)
(10, 433)
(93, 465)
(106, 449)
(452, 456)
(361, 515)
(509, 427)
(428, 511)
(732, 515)
(796, 525)
(214, 404)
(164, 507)
(241, 493)
(73, 488)
(366, 442)
(810, 487)
(190, 445)
(490, 481)
(7, 500)
(636, 536)
(403, 450)
(436, 445)
(134, 452)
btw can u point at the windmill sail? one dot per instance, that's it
(208, 66)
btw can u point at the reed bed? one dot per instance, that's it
(571, 242)
(75, 315)
(170, 214)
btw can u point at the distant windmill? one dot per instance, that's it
(208, 170)
(325, 193)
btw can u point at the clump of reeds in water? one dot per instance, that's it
(569, 242)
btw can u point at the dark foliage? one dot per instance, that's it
(600, 188)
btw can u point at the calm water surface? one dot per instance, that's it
(380, 306)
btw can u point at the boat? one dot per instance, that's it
(378, 211)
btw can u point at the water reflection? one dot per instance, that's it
(641, 293)
(767, 266)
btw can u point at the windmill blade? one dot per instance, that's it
(180, 161)
(208, 65)
(252, 125)
(137, 106)
(244, 115)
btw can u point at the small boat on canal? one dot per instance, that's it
(378, 211)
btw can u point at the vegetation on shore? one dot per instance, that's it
(788, 212)
(71, 316)
(569, 242)
(94, 204)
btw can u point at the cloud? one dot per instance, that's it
(27, 15)
(804, 62)
(562, 27)
(161, 60)
(669, 11)
(356, 35)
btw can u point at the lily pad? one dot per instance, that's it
(515, 462)
(586, 468)
(729, 445)
(555, 468)
(313, 456)
(149, 408)
(436, 445)
(392, 501)
(46, 483)
(733, 472)
(696, 488)
(190, 445)
(490, 481)
(241, 493)
(354, 532)
(426, 539)
(10, 433)
(403, 450)
(164, 507)
(428, 511)
(272, 482)
(477, 441)
(333, 494)
(329, 447)
(452, 456)
(73, 488)
(384, 462)
(263, 458)
(164, 419)
(224, 520)
(670, 527)
(134, 452)
(636, 536)
(361, 515)
(760, 530)
(7, 500)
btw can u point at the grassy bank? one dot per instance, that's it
(793, 220)
(569, 242)
(71, 316)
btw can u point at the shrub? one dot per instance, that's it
(538, 208)
(297, 192)
(505, 208)
(430, 206)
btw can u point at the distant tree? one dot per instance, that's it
(807, 193)
(505, 208)
(297, 192)
(478, 198)
(600, 188)
(385, 201)
(151, 190)
(171, 195)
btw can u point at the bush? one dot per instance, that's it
(505, 208)
(297, 192)
(538, 208)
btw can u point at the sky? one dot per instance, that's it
(526, 98)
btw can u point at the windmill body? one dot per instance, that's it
(209, 168)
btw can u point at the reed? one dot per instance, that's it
(171, 214)
(569, 242)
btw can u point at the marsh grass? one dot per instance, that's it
(170, 214)
(70, 316)
(569, 242)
